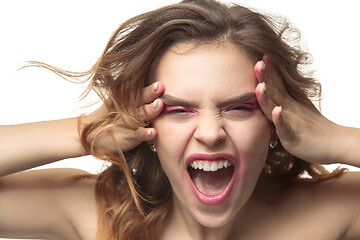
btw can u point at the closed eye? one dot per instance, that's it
(240, 111)
(241, 107)
(176, 110)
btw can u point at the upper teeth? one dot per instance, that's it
(210, 165)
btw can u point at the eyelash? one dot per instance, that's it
(183, 110)
(176, 110)
(246, 107)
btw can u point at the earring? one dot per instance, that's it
(152, 147)
(273, 144)
(134, 171)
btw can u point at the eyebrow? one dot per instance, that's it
(172, 100)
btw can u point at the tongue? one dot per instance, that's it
(211, 183)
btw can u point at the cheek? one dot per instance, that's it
(251, 134)
(251, 140)
(170, 141)
(168, 133)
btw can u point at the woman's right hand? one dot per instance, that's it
(127, 138)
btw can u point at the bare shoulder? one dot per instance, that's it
(344, 187)
(77, 195)
(334, 202)
(49, 204)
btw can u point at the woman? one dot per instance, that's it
(209, 127)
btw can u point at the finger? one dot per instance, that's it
(260, 71)
(145, 134)
(264, 102)
(273, 75)
(264, 75)
(283, 128)
(150, 111)
(276, 91)
(151, 92)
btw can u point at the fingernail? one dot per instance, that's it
(155, 86)
(263, 66)
(264, 86)
(148, 132)
(155, 104)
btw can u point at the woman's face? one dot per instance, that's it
(212, 137)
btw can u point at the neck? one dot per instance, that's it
(180, 224)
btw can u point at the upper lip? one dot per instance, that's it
(209, 157)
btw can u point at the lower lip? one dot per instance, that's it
(212, 199)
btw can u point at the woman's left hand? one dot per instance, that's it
(302, 130)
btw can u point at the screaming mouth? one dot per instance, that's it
(211, 177)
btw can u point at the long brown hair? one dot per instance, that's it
(134, 206)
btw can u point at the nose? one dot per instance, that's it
(209, 130)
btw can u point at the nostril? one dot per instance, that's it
(210, 136)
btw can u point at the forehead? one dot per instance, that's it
(192, 71)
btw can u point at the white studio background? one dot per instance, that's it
(72, 34)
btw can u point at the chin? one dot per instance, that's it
(213, 220)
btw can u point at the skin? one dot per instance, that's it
(222, 72)
(294, 124)
(40, 205)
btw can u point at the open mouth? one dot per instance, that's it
(211, 179)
